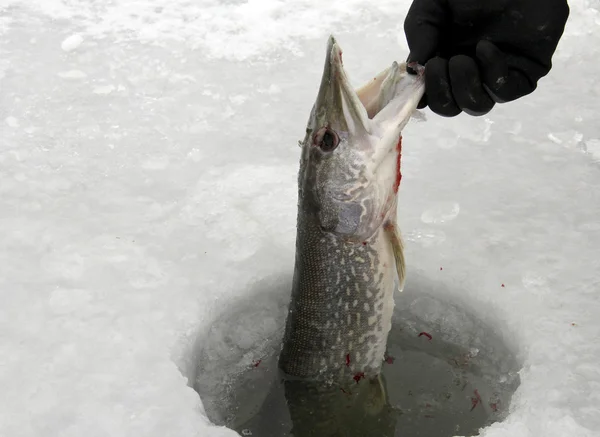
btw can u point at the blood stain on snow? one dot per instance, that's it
(426, 334)
(476, 400)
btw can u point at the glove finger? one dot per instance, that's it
(437, 87)
(422, 26)
(506, 82)
(467, 88)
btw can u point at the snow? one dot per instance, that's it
(148, 165)
(71, 43)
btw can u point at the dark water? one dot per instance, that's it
(452, 384)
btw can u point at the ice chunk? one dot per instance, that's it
(593, 148)
(71, 43)
(440, 212)
(104, 89)
(72, 74)
(12, 122)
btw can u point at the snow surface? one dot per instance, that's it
(148, 165)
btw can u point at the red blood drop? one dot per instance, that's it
(398, 164)
(502, 285)
(347, 360)
(257, 363)
(426, 335)
(475, 401)
(358, 376)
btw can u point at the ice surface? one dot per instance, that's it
(71, 43)
(140, 198)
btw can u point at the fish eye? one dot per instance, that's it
(326, 139)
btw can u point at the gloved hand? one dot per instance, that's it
(479, 52)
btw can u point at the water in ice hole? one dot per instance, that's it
(455, 383)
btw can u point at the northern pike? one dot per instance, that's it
(349, 255)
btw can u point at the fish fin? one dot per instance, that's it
(393, 235)
(377, 397)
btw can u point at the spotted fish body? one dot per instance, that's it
(348, 251)
(342, 303)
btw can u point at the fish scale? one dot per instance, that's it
(337, 305)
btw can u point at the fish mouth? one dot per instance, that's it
(337, 101)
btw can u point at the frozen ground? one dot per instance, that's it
(148, 166)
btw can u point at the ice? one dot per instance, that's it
(132, 217)
(71, 43)
(72, 74)
(11, 122)
(440, 213)
(593, 148)
(103, 89)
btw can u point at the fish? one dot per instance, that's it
(349, 252)
(349, 258)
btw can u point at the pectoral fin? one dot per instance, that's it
(395, 240)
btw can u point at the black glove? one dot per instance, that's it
(479, 52)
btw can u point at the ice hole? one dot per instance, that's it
(448, 372)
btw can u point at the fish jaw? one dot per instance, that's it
(393, 106)
(337, 104)
(352, 188)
